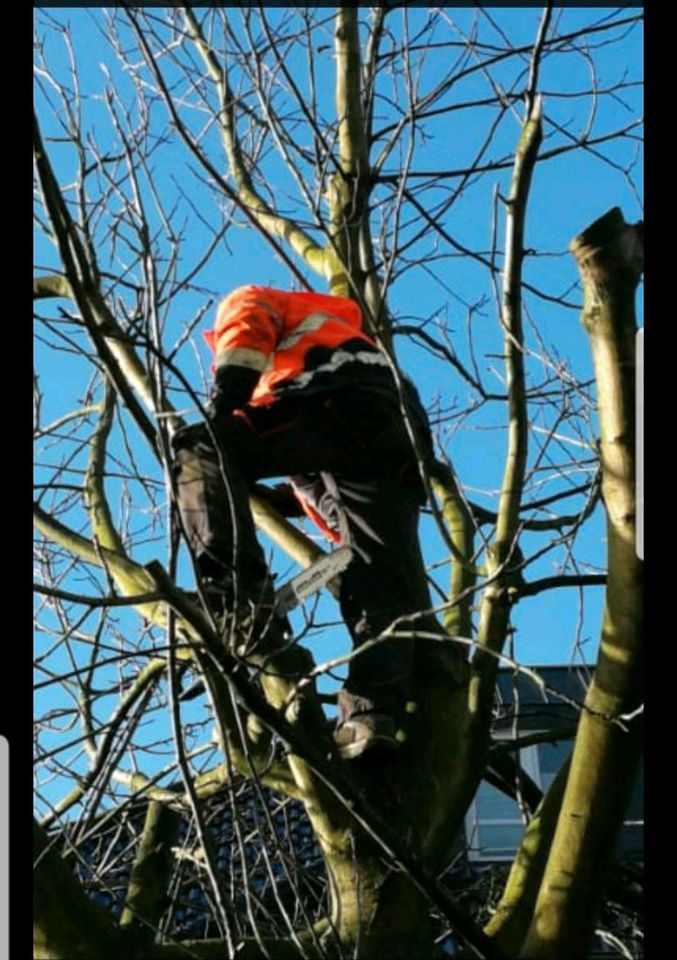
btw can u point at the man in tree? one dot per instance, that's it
(302, 391)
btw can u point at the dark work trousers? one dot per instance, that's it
(356, 446)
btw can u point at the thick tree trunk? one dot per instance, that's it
(378, 912)
(421, 793)
(608, 743)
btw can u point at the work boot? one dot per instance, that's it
(373, 732)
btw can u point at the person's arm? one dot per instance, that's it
(246, 332)
(233, 386)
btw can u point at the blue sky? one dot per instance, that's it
(567, 193)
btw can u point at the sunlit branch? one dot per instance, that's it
(247, 196)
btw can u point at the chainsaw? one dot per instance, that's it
(296, 590)
(311, 580)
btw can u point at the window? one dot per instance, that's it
(495, 824)
(551, 756)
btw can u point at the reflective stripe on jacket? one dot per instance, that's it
(298, 342)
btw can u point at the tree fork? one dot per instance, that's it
(510, 922)
(608, 744)
(347, 802)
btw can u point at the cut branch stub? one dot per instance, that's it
(610, 250)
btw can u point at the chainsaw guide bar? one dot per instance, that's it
(309, 581)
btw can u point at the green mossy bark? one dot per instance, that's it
(510, 922)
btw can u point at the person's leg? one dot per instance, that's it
(377, 591)
(377, 494)
(213, 496)
(379, 520)
(357, 445)
(213, 487)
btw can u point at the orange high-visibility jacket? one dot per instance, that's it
(297, 342)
